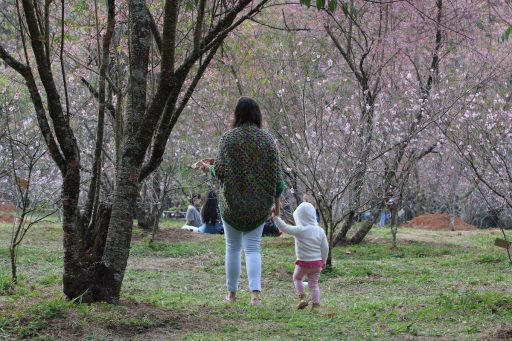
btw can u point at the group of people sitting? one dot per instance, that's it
(209, 220)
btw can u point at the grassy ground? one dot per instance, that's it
(438, 285)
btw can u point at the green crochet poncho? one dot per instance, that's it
(249, 169)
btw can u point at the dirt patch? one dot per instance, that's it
(503, 333)
(7, 210)
(141, 321)
(439, 221)
(438, 237)
(281, 275)
(176, 235)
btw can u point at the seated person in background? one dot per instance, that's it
(211, 216)
(192, 216)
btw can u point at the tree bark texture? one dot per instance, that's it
(117, 247)
(365, 228)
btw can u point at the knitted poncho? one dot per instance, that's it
(249, 169)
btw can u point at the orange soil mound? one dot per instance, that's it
(438, 221)
(6, 209)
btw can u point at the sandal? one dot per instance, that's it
(230, 299)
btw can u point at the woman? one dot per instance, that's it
(249, 170)
(210, 215)
(193, 218)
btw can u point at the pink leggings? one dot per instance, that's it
(313, 275)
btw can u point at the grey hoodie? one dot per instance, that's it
(310, 240)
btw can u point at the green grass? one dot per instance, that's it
(438, 284)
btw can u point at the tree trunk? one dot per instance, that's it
(14, 276)
(95, 250)
(347, 225)
(145, 217)
(330, 234)
(81, 278)
(394, 225)
(117, 247)
(81, 253)
(160, 210)
(133, 148)
(367, 226)
(148, 208)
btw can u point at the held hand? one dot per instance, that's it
(276, 209)
(273, 212)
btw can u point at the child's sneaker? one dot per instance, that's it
(315, 306)
(303, 303)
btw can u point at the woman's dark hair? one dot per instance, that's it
(247, 110)
(194, 196)
(210, 210)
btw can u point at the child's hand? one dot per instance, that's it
(275, 212)
(276, 209)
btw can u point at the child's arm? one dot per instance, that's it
(325, 248)
(290, 229)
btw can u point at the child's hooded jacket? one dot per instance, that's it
(310, 240)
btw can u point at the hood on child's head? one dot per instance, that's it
(305, 214)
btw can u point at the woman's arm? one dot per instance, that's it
(217, 170)
(276, 210)
(280, 185)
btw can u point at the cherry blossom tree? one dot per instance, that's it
(363, 97)
(413, 56)
(186, 39)
(27, 174)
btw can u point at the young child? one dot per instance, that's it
(311, 249)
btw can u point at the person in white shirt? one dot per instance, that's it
(193, 217)
(311, 249)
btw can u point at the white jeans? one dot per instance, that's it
(250, 242)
